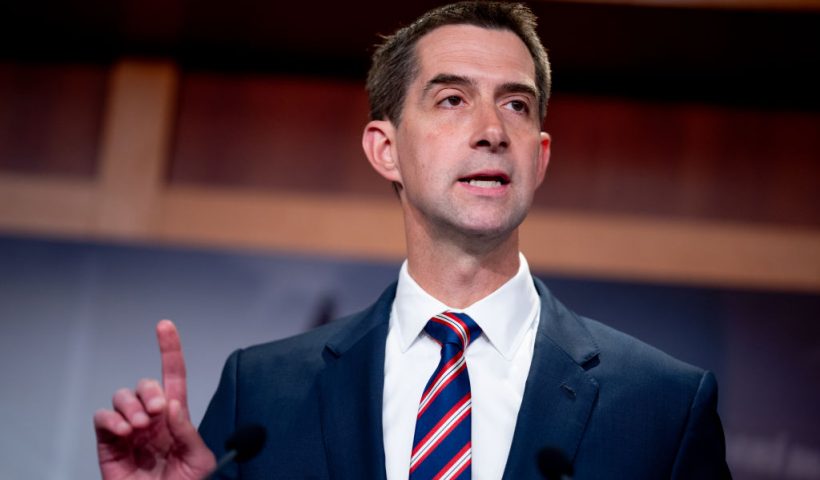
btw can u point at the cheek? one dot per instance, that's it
(436, 147)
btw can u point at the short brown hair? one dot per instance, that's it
(395, 64)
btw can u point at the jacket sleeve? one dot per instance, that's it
(219, 421)
(702, 451)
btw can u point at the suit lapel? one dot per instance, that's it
(350, 394)
(559, 394)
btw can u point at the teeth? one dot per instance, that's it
(485, 183)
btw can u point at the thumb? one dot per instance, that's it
(192, 448)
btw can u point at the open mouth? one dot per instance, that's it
(486, 181)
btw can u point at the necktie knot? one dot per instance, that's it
(453, 328)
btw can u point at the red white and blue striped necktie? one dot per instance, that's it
(442, 448)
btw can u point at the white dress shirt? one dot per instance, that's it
(498, 363)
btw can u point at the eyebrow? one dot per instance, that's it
(448, 79)
(515, 87)
(451, 79)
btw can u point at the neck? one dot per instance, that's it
(459, 273)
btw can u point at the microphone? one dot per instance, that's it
(243, 445)
(553, 464)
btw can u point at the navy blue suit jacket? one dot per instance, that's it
(616, 407)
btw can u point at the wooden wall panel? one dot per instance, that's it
(50, 118)
(683, 160)
(256, 158)
(282, 133)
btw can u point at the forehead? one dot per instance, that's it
(476, 52)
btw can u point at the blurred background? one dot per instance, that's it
(201, 161)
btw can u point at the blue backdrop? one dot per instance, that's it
(77, 319)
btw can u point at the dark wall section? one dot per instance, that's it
(758, 56)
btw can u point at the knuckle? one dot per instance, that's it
(147, 384)
(106, 419)
(123, 396)
(122, 393)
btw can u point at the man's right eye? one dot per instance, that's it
(452, 101)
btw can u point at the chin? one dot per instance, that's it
(496, 226)
(488, 230)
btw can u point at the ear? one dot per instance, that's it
(543, 157)
(378, 144)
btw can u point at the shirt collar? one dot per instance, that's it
(504, 315)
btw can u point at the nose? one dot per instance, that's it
(489, 132)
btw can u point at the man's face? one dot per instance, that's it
(469, 151)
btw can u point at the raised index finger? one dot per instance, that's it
(173, 363)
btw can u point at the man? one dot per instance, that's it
(457, 101)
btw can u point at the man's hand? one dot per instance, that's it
(149, 434)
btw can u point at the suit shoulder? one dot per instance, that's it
(625, 360)
(308, 347)
(299, 351)
(604, 350)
